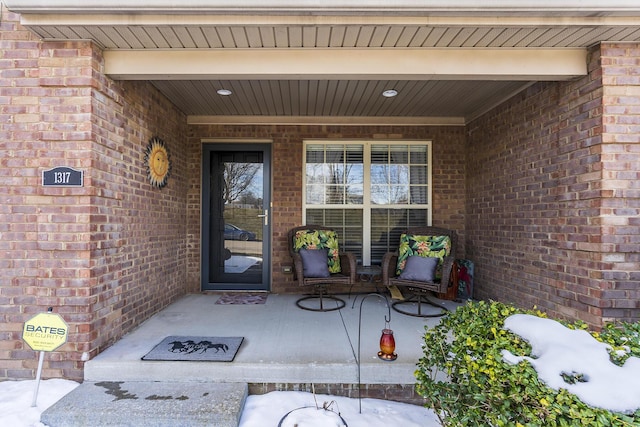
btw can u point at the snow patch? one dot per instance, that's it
(574, 360)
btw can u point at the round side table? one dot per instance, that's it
(369, 273)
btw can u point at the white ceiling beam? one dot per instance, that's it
(354, 64)
(476, 20)
(590, 7)
(326, 120)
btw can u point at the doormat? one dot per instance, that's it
(242, 298)
(205, 349)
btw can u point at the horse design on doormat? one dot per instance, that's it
(190, 346)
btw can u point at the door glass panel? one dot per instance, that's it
(238, 221)
(243, 219)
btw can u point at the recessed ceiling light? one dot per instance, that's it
(389, 93)
(224, 92)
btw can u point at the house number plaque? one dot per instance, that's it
(62, 177)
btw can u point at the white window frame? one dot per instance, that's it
(366, 205)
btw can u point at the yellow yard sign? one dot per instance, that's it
(45, 332)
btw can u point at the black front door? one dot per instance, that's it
(236, 217)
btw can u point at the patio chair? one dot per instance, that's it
(420, 267)
(318, 263)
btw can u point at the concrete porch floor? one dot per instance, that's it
(282, 343)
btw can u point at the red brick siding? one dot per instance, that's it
(109, 254)
(537, 203)
(448, 180)
(405, 393)
(621, 184)
(506, 224)
(139, 236)
(44, 232)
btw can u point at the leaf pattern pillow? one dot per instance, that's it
(425, 246)
(320, 239)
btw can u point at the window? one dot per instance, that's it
(368, 192)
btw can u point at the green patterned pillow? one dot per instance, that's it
(425, 246)
(319, 239)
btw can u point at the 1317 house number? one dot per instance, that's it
(62, 177)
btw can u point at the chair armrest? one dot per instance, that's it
(447, 268)
(298, 268)
(348, 265)
(389, 263)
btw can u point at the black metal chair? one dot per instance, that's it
(320, 300)
(416, 293)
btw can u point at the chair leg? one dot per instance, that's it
(322, 299)
(419, 299)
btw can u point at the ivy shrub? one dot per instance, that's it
(466, 382)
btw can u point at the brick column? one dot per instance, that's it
(620, 220)
(106, 255)
(45, 232)
(552, 201)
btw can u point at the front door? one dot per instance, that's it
(236, 217)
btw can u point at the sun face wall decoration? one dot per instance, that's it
(158, 162)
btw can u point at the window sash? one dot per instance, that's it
(368, 191)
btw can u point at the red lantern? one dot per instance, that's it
(387, 346)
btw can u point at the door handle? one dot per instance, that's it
(265, 216)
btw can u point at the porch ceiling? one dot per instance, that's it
(378, 39)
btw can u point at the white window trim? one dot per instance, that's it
(366, 205)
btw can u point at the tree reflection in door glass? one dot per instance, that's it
(243, 210)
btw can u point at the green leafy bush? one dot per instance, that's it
(466, 382)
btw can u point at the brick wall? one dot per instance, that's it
(538, 225)
(448, 180)
(620, 159)
(405, 393)
(106, 255)
(508, 228)
(42, 231)
(139, 232)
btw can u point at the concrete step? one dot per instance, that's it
(149, 404)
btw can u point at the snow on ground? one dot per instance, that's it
(16, 398)
(269, 409)
(260, 410)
